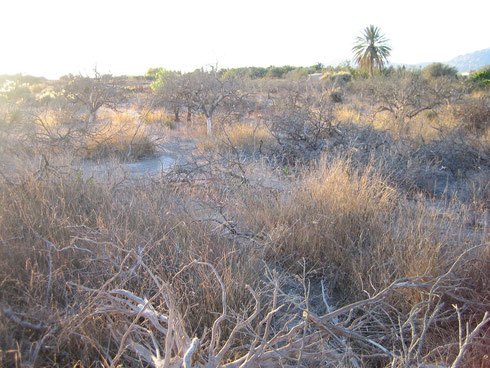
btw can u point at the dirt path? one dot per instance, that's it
(174, 150)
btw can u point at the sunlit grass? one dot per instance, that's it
(347, 115)
(352, 225)
(103, 228)
(120, 136)
(241, 136)
(158, 117)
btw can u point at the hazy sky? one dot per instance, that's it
(56, 37)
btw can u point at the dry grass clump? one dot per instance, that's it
(332, 218)
(121, 137)
(349, 228)
(243, 137)
(347, 115)
(66, 241)
(357, 230)
(158, 117)
(426, 127)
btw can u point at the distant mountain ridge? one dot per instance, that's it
(464, 63)
(472, 61)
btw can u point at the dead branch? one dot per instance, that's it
(24, 324)
(464, 344)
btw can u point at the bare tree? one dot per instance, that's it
(301, 118)
(41, 117)
(209, 91)
(406, 94)
(93, 93)
(169, 91)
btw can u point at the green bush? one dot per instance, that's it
(152, 73)
(482, 77)
(336, 96)
(431, 115)
(342, 76)
(436, 70)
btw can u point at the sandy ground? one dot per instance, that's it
(174, 150)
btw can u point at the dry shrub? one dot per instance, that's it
(69, 243)
(436, 155)
(347, 226)
(65, 239)
(122, 137)
(424, 127)
(333, 215)
(474, 113)
(459, 151)
(301, 135)
(356, 230)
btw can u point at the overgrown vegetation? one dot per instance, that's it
(339, 221)
(482, 77)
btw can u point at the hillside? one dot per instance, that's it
(472, 61)
(464, 63)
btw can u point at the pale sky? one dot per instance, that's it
(55, 37)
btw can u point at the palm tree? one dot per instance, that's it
(371, 49)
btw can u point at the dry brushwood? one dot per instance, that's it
(287, 333)
(124, 311)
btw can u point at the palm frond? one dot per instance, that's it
(371, 49)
